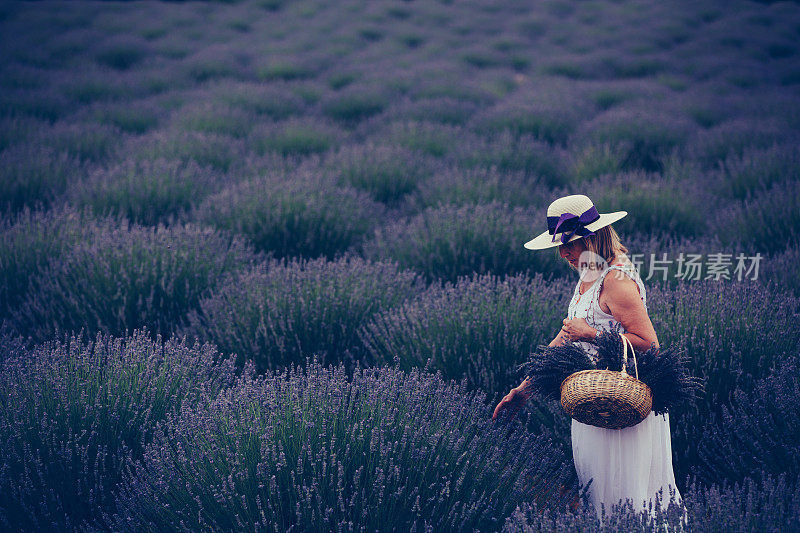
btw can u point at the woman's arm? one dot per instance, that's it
(522, 387)
(621, 295)
(559, 339)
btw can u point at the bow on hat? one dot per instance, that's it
(570, 224)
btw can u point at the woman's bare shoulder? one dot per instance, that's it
(621, 269)
(615, 280)
(618, 286)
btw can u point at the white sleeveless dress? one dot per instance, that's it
(631, 463)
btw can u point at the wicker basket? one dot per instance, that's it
(607, 398)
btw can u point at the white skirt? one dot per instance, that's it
(631, 463)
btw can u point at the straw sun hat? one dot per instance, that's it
(570, 218)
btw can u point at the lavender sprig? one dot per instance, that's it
(551, 365)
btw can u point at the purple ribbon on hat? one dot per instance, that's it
(570, 224)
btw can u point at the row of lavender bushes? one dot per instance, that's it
(138, 433)
(474, 231)
(751, 195)
(769, 503)
(65, 272)
(443, 220)
(66, 269)
(74, 411)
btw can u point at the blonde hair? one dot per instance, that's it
(605, 242)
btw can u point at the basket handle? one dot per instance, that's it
(625, 343)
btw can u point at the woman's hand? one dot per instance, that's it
(577, 329)
(511, 402)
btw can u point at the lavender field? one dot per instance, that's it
(261, 262)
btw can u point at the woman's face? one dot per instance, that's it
(572, 251)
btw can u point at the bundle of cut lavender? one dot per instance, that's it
(550, 365)
(664, 370)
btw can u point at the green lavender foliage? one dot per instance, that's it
(212, 150)
(296, 136)
(735, 137)
(129, 277)
(88, 142)
(782, 270)
(543, 121)
(145, 192)
(446, 242)
(314, 450)
(387, 173)
(35, 175)
(293, 216)
(29, 241)
(755, 169)
(511, 153)
(213, 117)
(479, 329)
(768, 221)
(258, 100)
(757, 432)
(74, 412)
(772, 505)
(282, 312)
(644, 137)
(135, 117)
(734, 336)
(356, 102)
(658, 205)
(480, 185)
(431, 139)
(596, 159)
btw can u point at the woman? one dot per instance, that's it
(631, 463)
